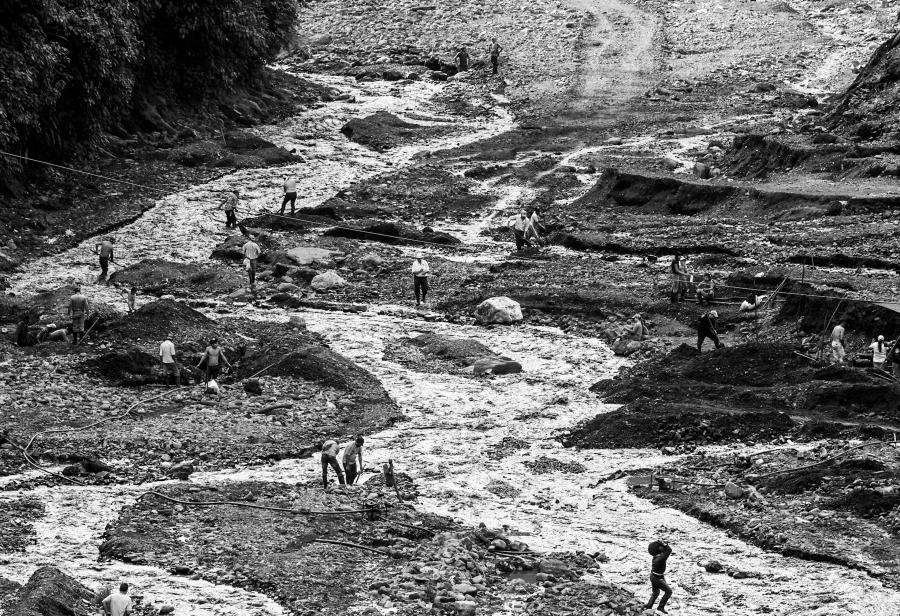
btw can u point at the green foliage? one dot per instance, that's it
(69, 68)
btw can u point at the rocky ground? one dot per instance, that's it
(754, 137)
(836, 502)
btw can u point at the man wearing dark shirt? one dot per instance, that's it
(707, 329)
(660, 552)
(105, 250)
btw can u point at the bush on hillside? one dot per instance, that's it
(70, 68)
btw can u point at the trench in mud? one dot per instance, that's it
(455, 421)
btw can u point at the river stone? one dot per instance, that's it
(308, 255)
(733, 491)
(181, 471)
(252, 386)
(496, 365)
(500, 310)
(712, 566)
(327, 281)
(553, 566)
(297, 321)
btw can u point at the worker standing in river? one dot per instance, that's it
(105, 251)
(78, 309)
(230, 206)
(420, 272)
(660, 551)
(290, 194)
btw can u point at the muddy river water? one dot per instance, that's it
(453, 441)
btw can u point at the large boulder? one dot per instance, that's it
(733, 491)
(328, 281)
(309, 255)
(501, 310)
(230, 249)
(624, 347)
(496, 365)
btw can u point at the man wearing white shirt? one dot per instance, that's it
(251, 252)
(420, 272)
(520, 224)
(167, 355)
(118, 605)
(290, 194)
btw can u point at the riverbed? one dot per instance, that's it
(456, 442)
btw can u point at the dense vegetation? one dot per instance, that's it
(71, 68)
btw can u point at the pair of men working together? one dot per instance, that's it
(525, 228)
(352, 459)
(211, 362)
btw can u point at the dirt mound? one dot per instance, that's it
(49, 592)
(599, 242)
(673, 428)
(392, 233)
(156, 320)
(655, 193)
(749, 377)
(870, 108)
(382, 131)
(312, 362)
(815, 312)
(746, 365)
(157, 277)
(54, 305)
(408, 194)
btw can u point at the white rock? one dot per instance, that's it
(328, 280)
(501, 310)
